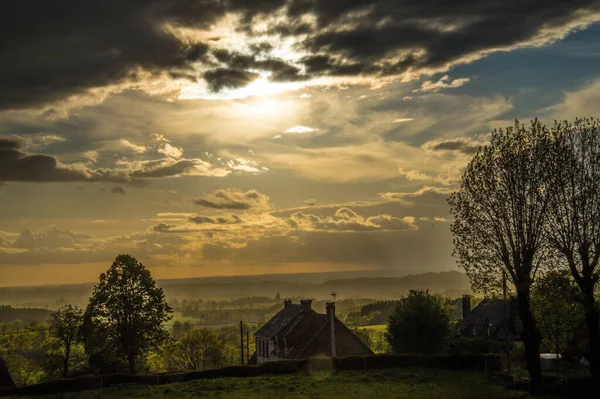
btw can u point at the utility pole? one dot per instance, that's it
(507, 310)
(247, 346)
(242, 342)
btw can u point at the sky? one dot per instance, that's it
(233, 137)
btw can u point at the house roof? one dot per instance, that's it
(5, 379)
(281, 320)
(495, 313)
(299, 334)
(492, 311)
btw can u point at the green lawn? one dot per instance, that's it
(393, 384)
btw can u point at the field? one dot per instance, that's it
(378, 328)
(393, 384)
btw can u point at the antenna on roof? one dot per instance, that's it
(333, 294)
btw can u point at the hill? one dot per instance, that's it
(314, 285)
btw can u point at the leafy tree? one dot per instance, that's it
(499, 219)
(573, 226)
(126, 312)
(64, 326)
(198, 350)
(418, 324)
(557, 313)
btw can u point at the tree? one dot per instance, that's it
(557, 313)
(573, 226)
(364, 336)
(126, 312)
(65, 324)
(499, 218)
(418, 324)
(197, 350)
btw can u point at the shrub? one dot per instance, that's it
(418, 324)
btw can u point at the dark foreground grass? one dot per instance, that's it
(392, 384)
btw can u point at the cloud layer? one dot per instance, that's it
(58, 52)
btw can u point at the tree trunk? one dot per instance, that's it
(592, 320)
(131, 360)
(531, 339)
(66, 359)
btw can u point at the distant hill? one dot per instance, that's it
(450, 283)
(371, 284)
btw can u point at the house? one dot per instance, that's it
(491, 318)
(5, 379)
(297, 332)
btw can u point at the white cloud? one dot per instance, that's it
(171, 151)
(401, 120)
(133, 147)
(305, 95)
(445, 82)
(413, 174)
(90, 156)
(300, 129)
(244, 165)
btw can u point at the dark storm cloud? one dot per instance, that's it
(445, 32)
(234, 200)
(459, 145)
(224, 78)
(17, 165)
(199, 219)
(118, 190)
(50, 50)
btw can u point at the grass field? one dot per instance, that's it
(378, 328)
(392, 384)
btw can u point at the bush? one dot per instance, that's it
(462, 345)
(418, 324)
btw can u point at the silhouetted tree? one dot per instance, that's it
(126, 311)
(64, 325)
(558, 314)
(418, 324)
(499, 217)
(574, 217)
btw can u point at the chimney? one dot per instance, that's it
(306, 304)
(330, 306)
(466, 306)
(287, 302)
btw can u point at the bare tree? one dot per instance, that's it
(499, 215)
(573, 226)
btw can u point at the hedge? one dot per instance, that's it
(461, 362)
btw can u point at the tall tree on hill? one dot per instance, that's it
(574, 218)
(127, 310)
(499, 218)
(65, 324)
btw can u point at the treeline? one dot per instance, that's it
(8, 313)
